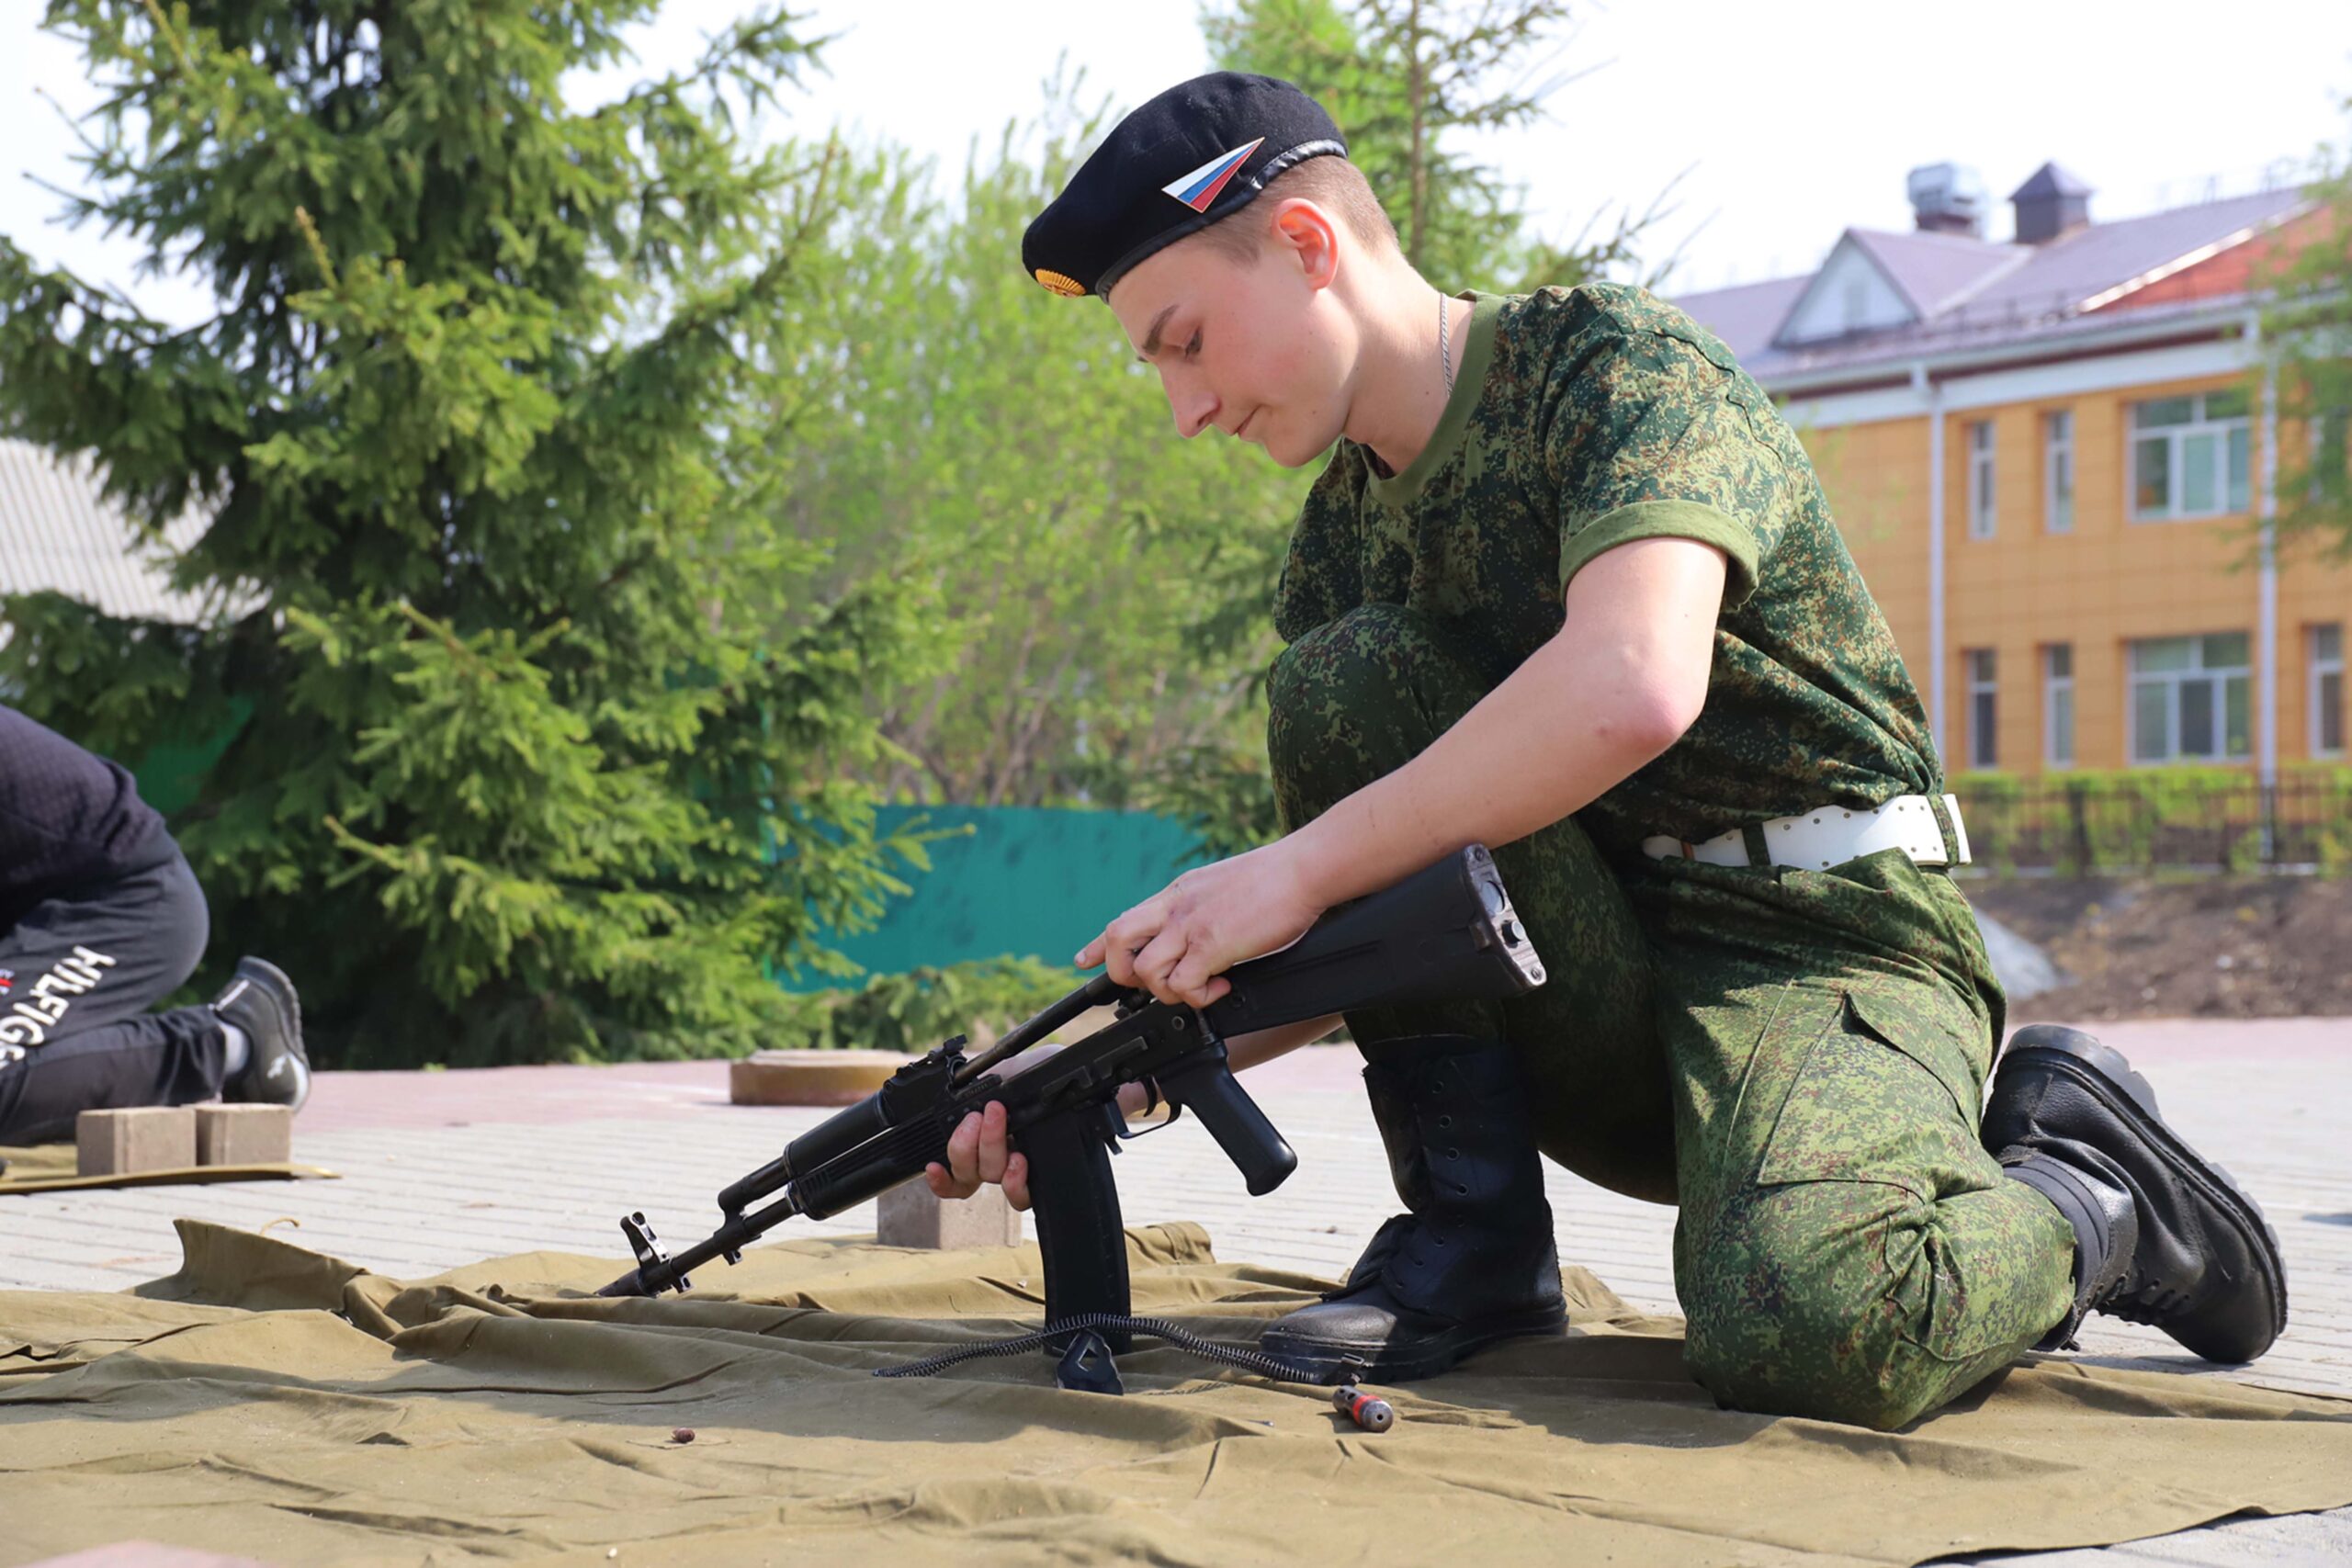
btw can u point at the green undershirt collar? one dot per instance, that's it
(1469, 385)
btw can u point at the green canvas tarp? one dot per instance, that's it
(278, 1404)
(53, 1167)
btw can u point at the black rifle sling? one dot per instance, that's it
(1076, 1204)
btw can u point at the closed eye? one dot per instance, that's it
(1193, 349)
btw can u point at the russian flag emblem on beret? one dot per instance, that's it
(1111, 216)
(1200, 187)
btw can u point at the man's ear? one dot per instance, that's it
(1308, 238)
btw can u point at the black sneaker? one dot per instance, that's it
(2193, 1256)
(261, 1002)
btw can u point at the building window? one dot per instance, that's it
(2058, 705)
(2188, 699)
(2329, 466)
(1980, 479)
(2189, 456)
(2327, 691)
(1984, 716)
(2058, 472)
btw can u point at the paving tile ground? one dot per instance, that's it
(441, 1170)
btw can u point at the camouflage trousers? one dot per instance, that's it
(1797, 1057)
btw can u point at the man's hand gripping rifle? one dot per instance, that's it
(1448, 931)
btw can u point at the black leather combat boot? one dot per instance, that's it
(2163, 1236)
(1474, 1260)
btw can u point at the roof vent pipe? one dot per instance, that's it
(1947, 199)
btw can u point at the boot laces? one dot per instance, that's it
(2137, 1299)
(1376, 1253)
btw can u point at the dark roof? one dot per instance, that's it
(1985, 293)
(2092, 260)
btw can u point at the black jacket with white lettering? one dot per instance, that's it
(68, 818)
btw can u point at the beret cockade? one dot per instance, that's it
(1197, 152)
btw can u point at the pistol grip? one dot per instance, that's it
(1241, 1130)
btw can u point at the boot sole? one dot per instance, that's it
(1324, 1361)
(2110, 1078)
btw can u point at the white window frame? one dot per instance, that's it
(1982, 669)
(2057, 683)
(2058, 470)
(2322, 666)
(2219, 677)
(2175, 438)
(1982, 517)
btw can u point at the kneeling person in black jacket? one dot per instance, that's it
(101, 918)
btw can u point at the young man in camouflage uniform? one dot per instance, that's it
(1569, 586)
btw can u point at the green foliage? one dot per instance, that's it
(1403, 78)
(2145, 819)
(2307, 328)
(914, 1011)
(1105, 587)
(545, 745)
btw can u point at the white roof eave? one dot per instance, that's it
(2105, 337)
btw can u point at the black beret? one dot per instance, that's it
(1199, 152)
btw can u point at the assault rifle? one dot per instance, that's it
(1445, 932)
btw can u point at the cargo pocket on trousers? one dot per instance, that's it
(1888, 1099)
(1938, 1032)
(1884, 1094)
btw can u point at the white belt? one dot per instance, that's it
(1831, 835)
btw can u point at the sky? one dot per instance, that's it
(1784, 123)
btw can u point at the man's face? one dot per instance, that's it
(1255, 349)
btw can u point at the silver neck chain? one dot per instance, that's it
(1444, 352)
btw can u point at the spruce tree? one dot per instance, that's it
(522, 766)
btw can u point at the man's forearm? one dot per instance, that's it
(1624, 677)
(1535, 750)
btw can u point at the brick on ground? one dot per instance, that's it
(124, 1143)
(910, 1216)
(244, 1135)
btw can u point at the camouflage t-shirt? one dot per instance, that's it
(1582, 419)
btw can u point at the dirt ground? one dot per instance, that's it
(2211, 947)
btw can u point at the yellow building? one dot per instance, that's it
(2046, 462)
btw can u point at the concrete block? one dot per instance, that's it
(809, 1077)
(244, 1135)
(908, 1215)
(122, 1143)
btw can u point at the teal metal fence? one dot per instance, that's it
(1032, 882)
